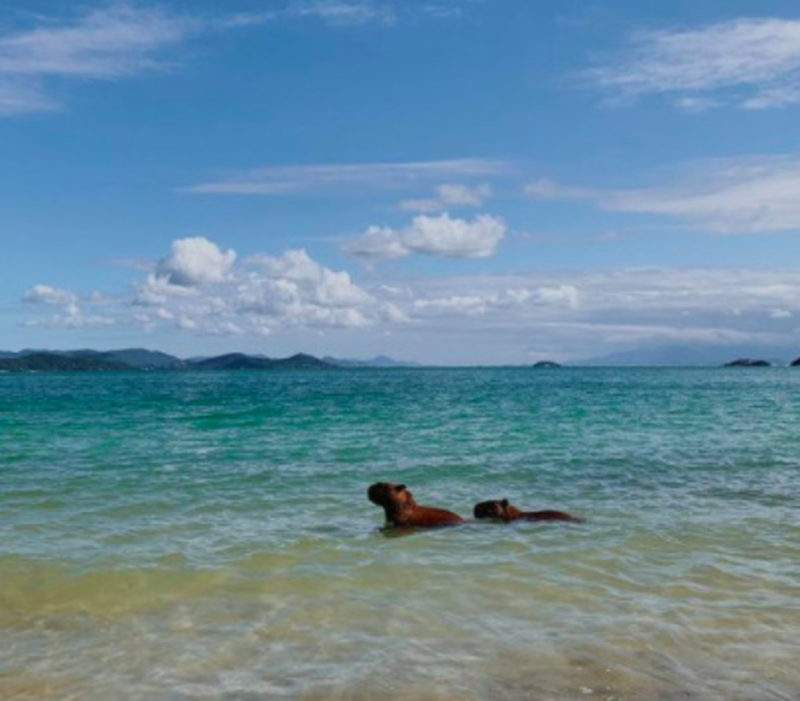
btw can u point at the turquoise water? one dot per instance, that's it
(207, 535)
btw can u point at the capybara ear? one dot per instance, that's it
(504, 503)
(399, 487)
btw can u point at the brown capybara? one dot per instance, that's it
(402, 510)
(501, 510)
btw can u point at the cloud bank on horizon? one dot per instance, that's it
(445, 205)
(200, 288)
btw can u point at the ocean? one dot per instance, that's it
(190, 535)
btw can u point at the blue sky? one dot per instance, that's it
(451, 181)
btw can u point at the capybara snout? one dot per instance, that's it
(494, 508)
(388, 494)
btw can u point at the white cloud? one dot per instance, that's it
(525, 299)
(279, 180)
(294, 279)
(751, 62)
(341, 12)
(547, 189)
(195, 260)
(124, 39)
(23, 95)
(456, 238)
(567, 294)
(377, 242)
(439, 236)
(69, 313)
(450, 195)
(157, 289)
(780, 314)
(460, 304)
(584, 314)
(695, 105)
(200, 288)
(45, 294)
(441, 11)
(725, 196)
(467, 318)
(105, 44)
(455, 194)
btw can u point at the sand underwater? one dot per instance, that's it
(174, 535)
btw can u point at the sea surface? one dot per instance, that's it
(189, 535)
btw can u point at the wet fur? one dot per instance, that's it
(401, 509)
(502, 510)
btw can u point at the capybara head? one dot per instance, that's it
(495, 508)
(390, 495)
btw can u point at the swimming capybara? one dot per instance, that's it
(501, 510)
(402, 510)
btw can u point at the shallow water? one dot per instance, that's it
(207, 535)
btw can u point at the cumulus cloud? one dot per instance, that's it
(466, 318)
(69, 312)
(157, 289)
(439, 236)
(297, 290)
(750, 62)
(45, 294)
(450, 195)
(201, 288)
(195, 260)
(725, 196)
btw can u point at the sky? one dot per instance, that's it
(444, 181)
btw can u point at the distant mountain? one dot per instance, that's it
(379, 361)
(301, 361)
(241, 361)
(55, 361)
(748, 363)
(231, 361)
(687, 356)
(138, 358)
(142, 359)
(546, 364)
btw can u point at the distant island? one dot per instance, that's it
(379, 361)
(45, 360)
(693, 355)
(143, 359)
(748, 363)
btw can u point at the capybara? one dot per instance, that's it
(501, 510)
(402, 510)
